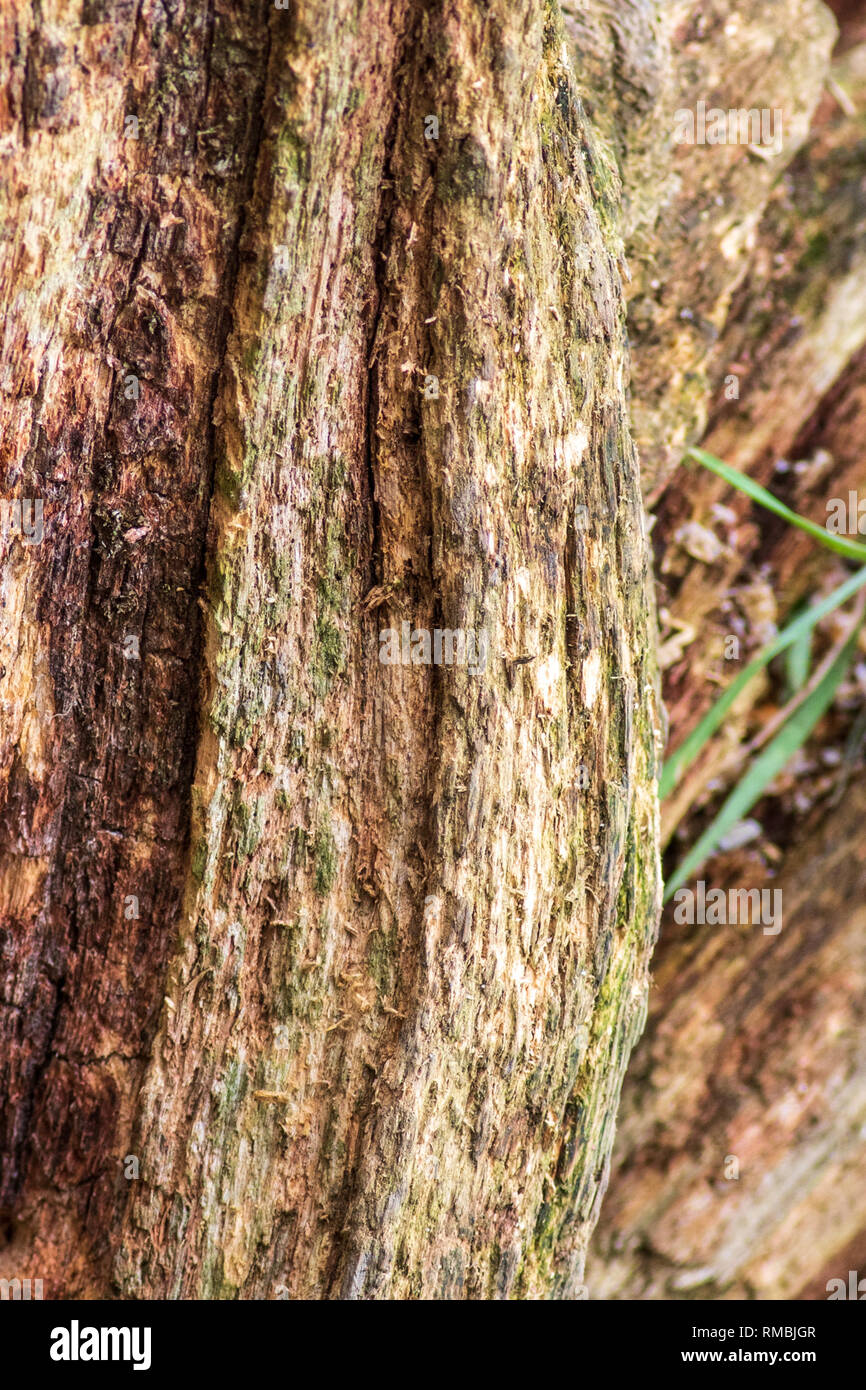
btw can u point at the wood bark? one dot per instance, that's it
(320, 975)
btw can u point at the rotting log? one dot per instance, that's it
(320, 974)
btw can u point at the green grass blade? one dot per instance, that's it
(798, 660)
(771, 762)
(715, 717)
(841, 545)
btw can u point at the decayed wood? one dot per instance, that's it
(754, 1044)
(128, 141)
(447, 1013)
(691, 210)
(396, 921)
(755, 1052)
(795, 333)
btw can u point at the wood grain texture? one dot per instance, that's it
(395, 920)
(118, 261)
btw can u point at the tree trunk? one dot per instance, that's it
(320, 971)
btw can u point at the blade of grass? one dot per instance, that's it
(691, 747)
(797, 663)
(814, 680)
(766, 767)
(841, 545)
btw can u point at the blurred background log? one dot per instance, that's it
(754, 1052)
(752, 270)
